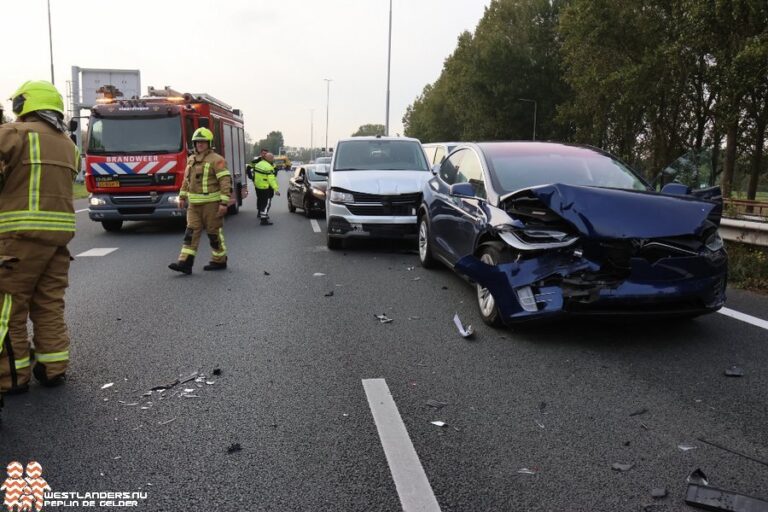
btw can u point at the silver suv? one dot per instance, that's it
(374, 188)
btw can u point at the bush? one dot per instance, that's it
(748, 266)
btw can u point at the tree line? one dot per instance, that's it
(648, 80)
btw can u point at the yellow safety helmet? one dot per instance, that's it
(37, 95)
(203, 134)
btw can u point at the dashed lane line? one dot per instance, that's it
(753, 320)
(411, 482)
(315, 225)
(99, 251)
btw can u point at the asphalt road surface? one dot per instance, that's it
(329, 407)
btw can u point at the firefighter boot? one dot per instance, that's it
(265, 221)
(184, 266)
(215, 265)
(39, 372)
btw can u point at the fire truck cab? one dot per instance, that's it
(137, 151)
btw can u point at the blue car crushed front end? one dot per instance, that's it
(633, 253)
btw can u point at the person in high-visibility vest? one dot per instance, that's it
(38, 165)
(265, 181)
(205, 192)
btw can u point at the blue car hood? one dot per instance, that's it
(615, 213)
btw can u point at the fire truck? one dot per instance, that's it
(137, 151)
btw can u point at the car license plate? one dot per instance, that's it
(108, 184)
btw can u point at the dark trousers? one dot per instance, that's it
(264, 201)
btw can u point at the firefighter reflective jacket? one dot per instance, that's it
(264, 176)
(38, 165)
(207, 179)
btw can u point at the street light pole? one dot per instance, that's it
(327, 108)
(535, 109)
(389, 66)
(311, 134)
(50, 39)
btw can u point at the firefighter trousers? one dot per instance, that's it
(264, 201)
(33, 289)
(204, 217)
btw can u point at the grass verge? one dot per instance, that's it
(748, 266)
(79, 191)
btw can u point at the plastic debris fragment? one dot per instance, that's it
(686, 447)
(734, 371)
(267, 273)
(440, 424)
(318, 274)
(697, 477)
(436, 404)
(108, 385)
(234, 447)
(466, 332)
(711, 498)
(618, 466)
(383, 318)
(659, 493)
(526, 471)
(639, 412)
(167, 421)
(329, 294)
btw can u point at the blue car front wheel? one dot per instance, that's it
(486, 304)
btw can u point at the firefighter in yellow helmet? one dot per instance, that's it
(205, 193)
(38, 164)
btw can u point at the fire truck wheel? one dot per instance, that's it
(112, 225)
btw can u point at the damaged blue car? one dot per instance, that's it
(546, 229)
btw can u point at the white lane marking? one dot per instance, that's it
(315, 225)
(99, 251)
(81, 211)
(410, 480)
(758, 322)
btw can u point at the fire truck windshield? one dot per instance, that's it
(135, 135)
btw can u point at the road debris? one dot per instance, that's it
(329, 294)
(217, 371)
(234, 447)
(764, 463)
(525, 471)
(542, 406)
(712, 498)
(176, 382)
(383, 318)
(734, 371)
(697, 477)
(108, 385)
(414, 318)
(318, 274)
(127, 404)
(445, 287)
(167, 421)
(539, 424)
(267, 273)
(436, 404)
(416, 279)
(686, 447)
(409, 268)
(466, 332)
(659, 493)
(440, 424)
(639, 412)
(618, 466)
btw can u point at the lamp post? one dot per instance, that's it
(327, 108)
(311, 134)
(50, 39)
(535, 108)
(389, 66)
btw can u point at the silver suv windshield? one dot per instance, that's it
(380, 155)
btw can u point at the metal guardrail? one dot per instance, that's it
(744, 231)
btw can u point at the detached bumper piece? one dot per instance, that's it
(566, 282)
(711, 498)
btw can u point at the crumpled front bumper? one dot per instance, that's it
(560, 283)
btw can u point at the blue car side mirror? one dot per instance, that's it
(462, 190)
(676, 189)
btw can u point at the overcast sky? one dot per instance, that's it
(266, 57)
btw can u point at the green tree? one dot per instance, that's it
(369, 130)
(272, 143)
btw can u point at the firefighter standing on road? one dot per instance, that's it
(38, 164)
(205, 193)
(265, 181)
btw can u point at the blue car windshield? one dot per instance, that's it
(515, 169)
(380, 155)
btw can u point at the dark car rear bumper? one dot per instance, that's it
(561, 284)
